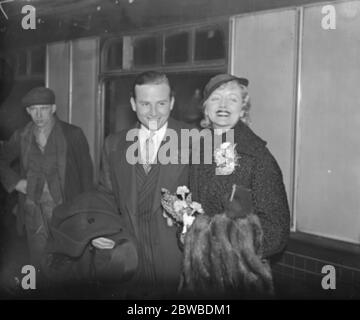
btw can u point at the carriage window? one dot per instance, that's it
(177, 48)
(115, 55)
(38, 61)
(146, 51)
(210, 44)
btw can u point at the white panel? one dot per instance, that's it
(264, 47)
(58, 76)
(85, 56)
(328, 200)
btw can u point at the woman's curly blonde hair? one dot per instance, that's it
(206, 122)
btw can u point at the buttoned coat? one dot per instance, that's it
(74, 164)
(118, 180)
(258, 171)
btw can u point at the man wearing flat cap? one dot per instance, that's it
(55, 166)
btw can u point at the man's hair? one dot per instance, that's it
(150, 77)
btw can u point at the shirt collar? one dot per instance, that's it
(158, 134)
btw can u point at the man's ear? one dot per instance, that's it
(28, 110)
(133, 104)
(53, 108)
(172, 101)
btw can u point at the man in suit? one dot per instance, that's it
(136, 185)
(55, 166)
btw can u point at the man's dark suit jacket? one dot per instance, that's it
(118, 179)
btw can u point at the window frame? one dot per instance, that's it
(162, 33)
(208, 28)
(189, 51)
(159, 50)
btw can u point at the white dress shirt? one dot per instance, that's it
(157, 136)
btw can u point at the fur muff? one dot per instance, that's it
(223, 257)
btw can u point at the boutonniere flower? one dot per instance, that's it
(180, 208)
(226, 159)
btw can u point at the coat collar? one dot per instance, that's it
(168, 173)
(61, 147)
(247, 142)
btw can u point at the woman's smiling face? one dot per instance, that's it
(224, 107)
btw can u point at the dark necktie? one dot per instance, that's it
(149, 152)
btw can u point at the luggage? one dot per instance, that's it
(71, 257)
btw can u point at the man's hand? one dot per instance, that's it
(103, 243)
(21, 186)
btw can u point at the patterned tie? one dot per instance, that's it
(149, 152)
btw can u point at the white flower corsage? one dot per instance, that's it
(180, 208)
(226, 159)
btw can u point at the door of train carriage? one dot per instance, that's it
(189, 55)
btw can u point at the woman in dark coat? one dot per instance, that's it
(244, 165)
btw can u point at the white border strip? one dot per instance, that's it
(296, 131)
(71, 70)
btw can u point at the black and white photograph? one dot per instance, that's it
(177, 151)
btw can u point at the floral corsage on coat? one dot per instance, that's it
(226, 159)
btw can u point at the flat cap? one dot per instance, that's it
(218, 80)
(38, 95)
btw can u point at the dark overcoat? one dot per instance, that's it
(74, 164)
(258, 171)
(118, 179)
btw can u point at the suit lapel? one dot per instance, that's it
(168, 173)
(126, 178)
(26, 141)
(126, 175)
